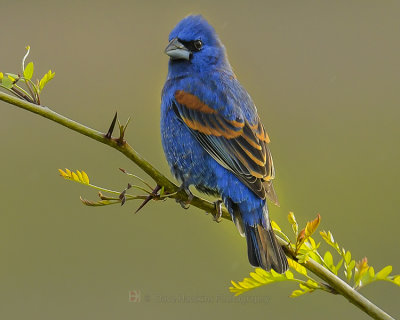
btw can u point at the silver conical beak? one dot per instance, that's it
(177, 51)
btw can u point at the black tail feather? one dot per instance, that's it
(264, 250)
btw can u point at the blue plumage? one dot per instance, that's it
(213, 138)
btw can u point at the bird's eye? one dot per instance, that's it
(192, 46)
(198, 45)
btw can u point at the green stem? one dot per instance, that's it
(24, 92)
(332, 280)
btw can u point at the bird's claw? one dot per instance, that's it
(217, 217)
(185, 204)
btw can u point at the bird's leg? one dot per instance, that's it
(185, 204)
(217, 217)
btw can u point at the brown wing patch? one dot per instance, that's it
(210, 130)
(192, 102)
(260, 132)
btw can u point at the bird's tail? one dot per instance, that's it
(264, 250)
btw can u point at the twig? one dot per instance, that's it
(332, 280)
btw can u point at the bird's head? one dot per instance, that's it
(194, 45)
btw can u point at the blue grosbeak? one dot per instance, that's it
(213, 138)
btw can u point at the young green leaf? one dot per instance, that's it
(384, 273)
(28, 71)
(259, 278)
(293, 222)
(361, 269)
(80, 177)
(46, 78)
(298, 267)
(328, 259)
(298, 292)
(7, 83)
(328, 237)
(312, 225)
(304, 234)
(278, 230)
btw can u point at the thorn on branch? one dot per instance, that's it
(108, 135)
(151, 196)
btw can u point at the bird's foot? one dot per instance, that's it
(185, 204)
(217, 217)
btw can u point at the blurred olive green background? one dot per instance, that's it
(325, 76)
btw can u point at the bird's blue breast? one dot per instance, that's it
(187, 159)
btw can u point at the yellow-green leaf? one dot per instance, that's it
(28, 72)
(293, 222)
(361, 269)
(384, 273)
(289, 275)
(79, 175)
(46, 78)
(304, 289)
(347, 257)
(328, 237)
(301, 237)
(328, 259)
(311, 244)
(297, 293)
(298, 267)
(7, 83)
(257, 277)
(85, 177)
(275, 225)
(310, 228)
(312, 284)
(63, 174)
(75, 177)
(262, 272)
(312, 225)
(339, 264)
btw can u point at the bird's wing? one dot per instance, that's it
(237, 144)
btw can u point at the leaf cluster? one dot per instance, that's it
(108, 196)
(32, 91)
(357, 274)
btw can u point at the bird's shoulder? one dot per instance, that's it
(217, 91)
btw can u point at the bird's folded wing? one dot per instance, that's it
(236, 144)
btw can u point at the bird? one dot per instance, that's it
(213, 138)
